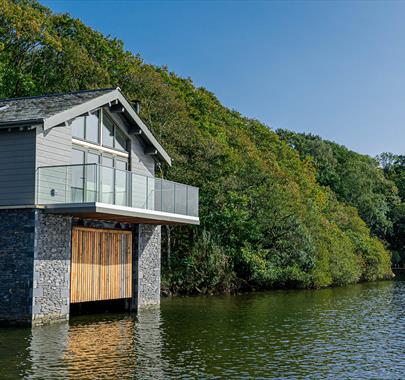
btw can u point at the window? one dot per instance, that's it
(77, 156)
(86, 128)
(113, 136)
(107, 180)
(107, 183)
(121, 165)
(105, 134)
(121, 183)
(108, 161)
(120, 140)
(77, 173)
(92, 176)
(92, 128)
(78, 127)
(108, 132)
(93, 158)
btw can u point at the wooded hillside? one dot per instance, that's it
(266, 219)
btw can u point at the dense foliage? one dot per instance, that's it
(376, 187)
(394, 169)
(355, 178)
(265, 221)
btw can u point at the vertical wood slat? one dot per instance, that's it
(101, 267)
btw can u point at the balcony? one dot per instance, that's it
(101, 192)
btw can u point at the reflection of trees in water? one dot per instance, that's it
(110, 349)
(351, 332)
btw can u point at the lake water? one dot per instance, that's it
(354, 332)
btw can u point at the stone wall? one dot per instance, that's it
(146, 271)
(35, 253)
(17, 233)
(51, 274)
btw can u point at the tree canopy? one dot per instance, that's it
(267, 219)
(394, 169)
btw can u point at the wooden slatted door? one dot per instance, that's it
(101, 266)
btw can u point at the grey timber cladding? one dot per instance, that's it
(54, 146)
(17, 168)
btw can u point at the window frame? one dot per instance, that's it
(114, 157)
(100, 144)
(101, 154)
(114, 136)
(98, 113)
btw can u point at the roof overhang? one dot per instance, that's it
(103, 211)
(109, 98)
(24, 124)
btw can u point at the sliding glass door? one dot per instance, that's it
(99, 177)
(92, 176)
(77, 173)
(121, 183)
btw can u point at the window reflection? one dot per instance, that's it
(77, 187)
(78, 127)
(108, 132)
(107, 180)
(92, 128)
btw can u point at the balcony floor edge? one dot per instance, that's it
(103, 211)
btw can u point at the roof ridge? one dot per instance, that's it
(58, 94)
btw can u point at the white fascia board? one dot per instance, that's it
(104, 208)
(147, 214)
(144, 128)
(80, 109)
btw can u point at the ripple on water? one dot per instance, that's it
(352, 333)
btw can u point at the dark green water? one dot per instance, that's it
(347, 333)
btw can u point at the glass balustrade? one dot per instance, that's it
(97, 183)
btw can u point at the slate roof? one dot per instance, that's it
(53, 109)
(38, 108)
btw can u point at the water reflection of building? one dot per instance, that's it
(149, 341)
(103, 349)
(46, 351)
(108, 349)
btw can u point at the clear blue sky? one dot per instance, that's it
(336, 69)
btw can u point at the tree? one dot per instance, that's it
(265, 220)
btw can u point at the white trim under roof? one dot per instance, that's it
(86, 144)
(109, 97)
(158, 217)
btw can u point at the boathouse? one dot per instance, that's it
(80, 207)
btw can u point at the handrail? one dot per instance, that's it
(121, 170)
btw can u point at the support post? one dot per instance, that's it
(146, 266)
